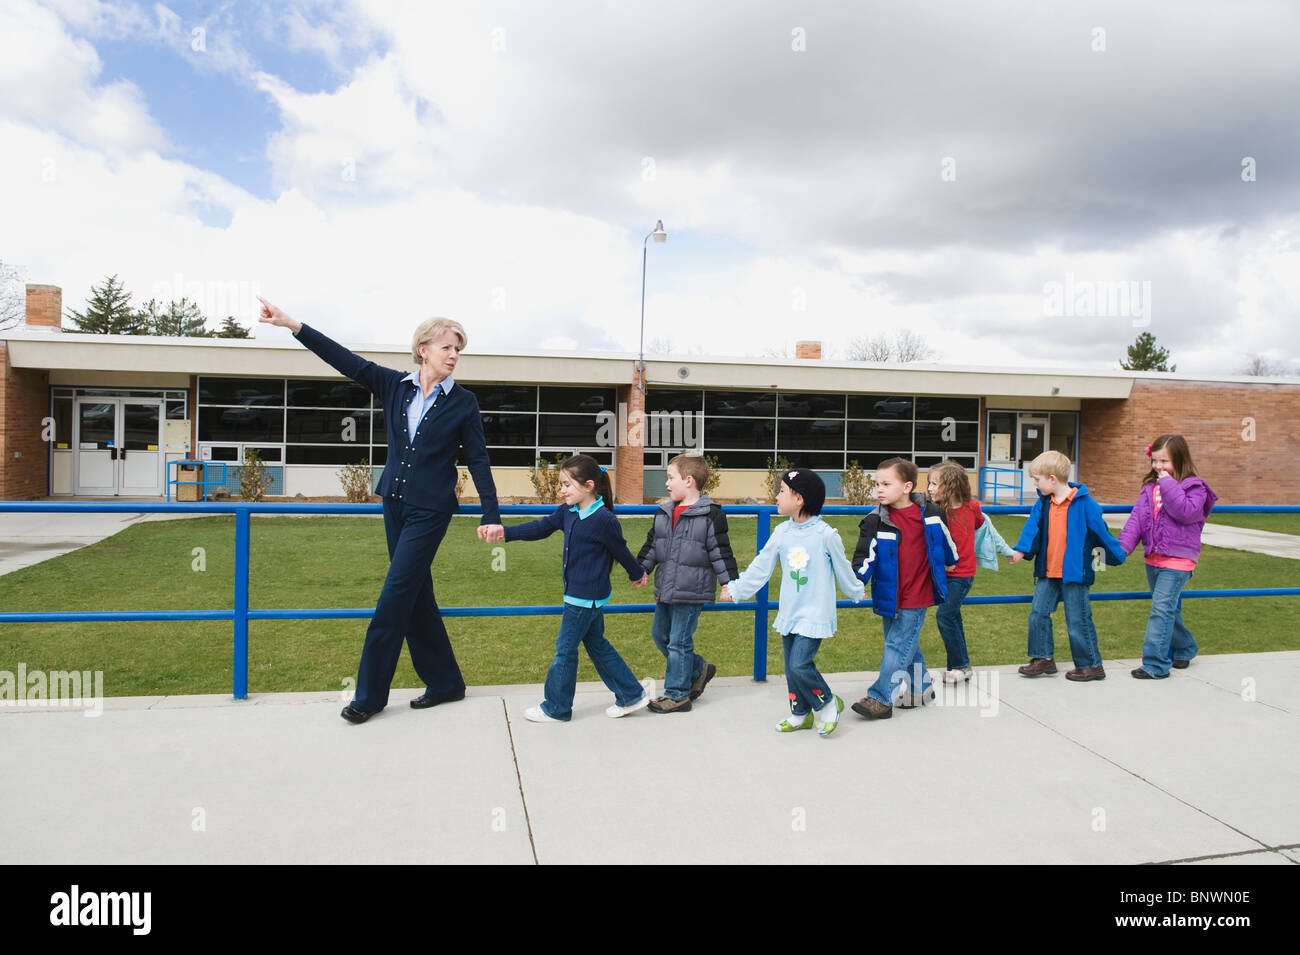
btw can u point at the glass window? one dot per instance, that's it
(1003, 424)
(803, 434)
(249, 423)
(336, 455)
(1063, 434)
(510, 457)
(268, 392)
(568, 430)
(62, 423)
(749, 404)
(930, 408)
(742, 460)
(328, 427)
(327, 393)
(952, 437)
(812, 405)
(817, 460)
(674, 399)
(930, 460)
(880, 406)
(895, 436)
(758, 433)
(510, 429)
(176, 410)
(505, 398)
(577, 400)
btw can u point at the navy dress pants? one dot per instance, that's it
(408, 611)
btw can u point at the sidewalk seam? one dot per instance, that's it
(532, 843)
(1229, 855)
(1053, 729)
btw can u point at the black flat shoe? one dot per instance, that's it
(354, 715)
(1181, 664)
(1141, 674)
(425, 701)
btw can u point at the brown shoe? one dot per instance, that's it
(1038, 666)
(1085, 674)
(666, 704)
(872, 709)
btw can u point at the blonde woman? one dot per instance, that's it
(429, 420)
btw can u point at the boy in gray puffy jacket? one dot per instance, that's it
(690, 554)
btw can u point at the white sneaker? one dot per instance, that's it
(537, 715)
(648, 694)
(958, 676)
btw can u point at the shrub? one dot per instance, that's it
(355, 479)
(856, 485)
(715, 474)
(773, 480)
(253, 477)
(546, 480)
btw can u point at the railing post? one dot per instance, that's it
(241, 602)
(764, 531)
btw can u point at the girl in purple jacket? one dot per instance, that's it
(1167, 518)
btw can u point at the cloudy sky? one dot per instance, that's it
(1022, 183)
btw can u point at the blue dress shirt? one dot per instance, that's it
(420, 403)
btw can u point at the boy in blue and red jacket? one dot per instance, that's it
(1063, 528)
(905, 551)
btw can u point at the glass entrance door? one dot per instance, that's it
(1032, 443)
(119, 447)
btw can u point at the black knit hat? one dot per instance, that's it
(809, 486)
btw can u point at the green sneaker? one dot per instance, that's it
(788, 725)
(827, 727)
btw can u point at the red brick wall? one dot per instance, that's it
(629, 471)
(24, 401)
(1211, 416)
(45, 305)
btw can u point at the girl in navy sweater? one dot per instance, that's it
(593, 540)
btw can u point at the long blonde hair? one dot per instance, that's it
(954, 486)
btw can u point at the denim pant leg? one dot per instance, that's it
(562, 677)
(610, 667)
(684, 664)
(902, 665)
(1165, 625)
(801, 667)
(948, 616)
(405, 611)
(1078, 624)
(1047, 594)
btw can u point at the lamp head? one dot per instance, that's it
(659, 234)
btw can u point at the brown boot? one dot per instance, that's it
(1038, 666)
(872, 709)
(1085, 674)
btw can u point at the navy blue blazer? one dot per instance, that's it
(421, 473)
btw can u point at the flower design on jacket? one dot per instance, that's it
(797, 558)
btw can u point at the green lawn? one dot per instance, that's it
(303, 562)
(1278, 523)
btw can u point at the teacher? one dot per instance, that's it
(429, 419)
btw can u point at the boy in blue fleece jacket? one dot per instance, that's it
(1063, 528)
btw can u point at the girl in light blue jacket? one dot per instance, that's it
(812, 561)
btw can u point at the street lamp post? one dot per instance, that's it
(659, 235)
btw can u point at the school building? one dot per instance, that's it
(109, 416)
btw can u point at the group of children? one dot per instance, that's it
(917, 552)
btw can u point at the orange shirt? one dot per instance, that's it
(1056, 533)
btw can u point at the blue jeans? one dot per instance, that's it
(903, 666)
(1048, 592)
(585, 625)
(808, 691)
(1165, 629)
(407, 610)
(948, 616)
(672, 630)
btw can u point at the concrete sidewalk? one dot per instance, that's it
(28, 538)
(1198, 768)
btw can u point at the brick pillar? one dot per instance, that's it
(45, 305)
(24, 457)
(807, 349)
(629, 456)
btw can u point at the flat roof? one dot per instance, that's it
(53, 350)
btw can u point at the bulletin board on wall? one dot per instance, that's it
(176, 436)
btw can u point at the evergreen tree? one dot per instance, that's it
(181, 319)
(109, 312)
(231, 329)
(1145, 355)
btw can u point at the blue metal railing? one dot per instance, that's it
(1018, 485)
(760, 606)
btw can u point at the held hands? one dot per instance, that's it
(645, 579)
(491, 533)
(726, 594)
(1016, 557)
(274, 316)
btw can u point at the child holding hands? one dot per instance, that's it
(812, 561)
(593, 540)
